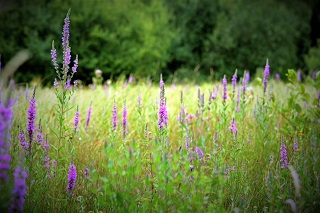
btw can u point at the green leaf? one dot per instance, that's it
(297, 108)
(292, 76)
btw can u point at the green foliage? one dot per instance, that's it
(312, 59)
(183, 38)
(248, 32)
(118, 37)
(121, 37)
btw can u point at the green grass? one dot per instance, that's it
(151, 172)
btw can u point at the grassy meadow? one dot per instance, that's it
(161, 169)
(237, 145)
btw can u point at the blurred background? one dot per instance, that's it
(182, 39)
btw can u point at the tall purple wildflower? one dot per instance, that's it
(130, 79)
(215, 93)
(46, 160)
(55, 83)
(72, 178)
(234, 82)
(88, 117)
(5, 126)
(67, 86)
(19, 190)
(31, 119)
(45, 145)
(314, 75)
(247, 76)
(114, 117)
(162, 113)
(233, 127)
(244, 86)
(67, 59)
(65, 32)
(23, 141)
(54, 57)
(199, 153)
(39, 137)
(265, 76)
(65, 44)
(76, 120)
(283, 155)
(299, 76)
(224, 94)
(75, 65)
(277, 76)
(124, 121)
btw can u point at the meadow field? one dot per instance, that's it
(237, 145)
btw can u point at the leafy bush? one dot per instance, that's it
(312, 59)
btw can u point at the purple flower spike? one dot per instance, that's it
(54, 57)
(247, 76)
(72, 178)
(65, 32)
(55, 83)
(75, 65)
(265, 77)
(199, 153)
(233, 127)
(86, 173)
(215, 93)
(31, 118)
(39, 138)
(162, 114)
(76, 120)
(314, 75)
(244, 86)
(283, 156)
(23, 140)
(277, 76)
(114, 117)
(124, 121)
(19, 190)
(234, 82)
(130, 79)
(66, 59)
(224, 83)
(65, 44)
(299, 76)
(45, 146)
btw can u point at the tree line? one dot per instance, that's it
(178, 38)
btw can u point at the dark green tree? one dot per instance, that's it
(248, 32)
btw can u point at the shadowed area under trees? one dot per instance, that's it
(181, 39)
